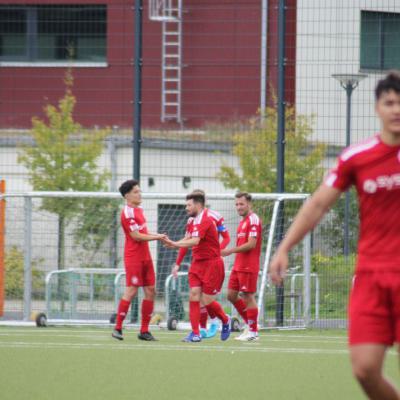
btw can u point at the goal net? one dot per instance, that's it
(71, 258)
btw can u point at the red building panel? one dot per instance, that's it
(220, 79)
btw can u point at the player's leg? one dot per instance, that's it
(252, 316)
(194, 309)
(203, 320)
(214, 322)
(372, 329)
(123, 308)
(211, 287)
(367, 363)
(147, 308)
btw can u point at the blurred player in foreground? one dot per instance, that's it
(224, 234)
(138, 263)
(244, 273)
(206, 271)
(373, 167)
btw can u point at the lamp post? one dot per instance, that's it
(348, 82)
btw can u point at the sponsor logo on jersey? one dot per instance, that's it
(242, 234)
(244, 225)
(387, 182)
(243, 288)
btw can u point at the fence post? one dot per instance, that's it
(28, 259)
(307, 279)
(2, 244)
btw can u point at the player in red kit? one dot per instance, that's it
(245, 270)
(138, 263)
(373, 167)
(224, 234)
(206, 270)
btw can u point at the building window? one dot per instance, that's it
(53, 33)
(380, 38)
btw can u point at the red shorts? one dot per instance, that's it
(139, 273)
(374, 308)
(207, 274)
(245, 282)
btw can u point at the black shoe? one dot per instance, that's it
(146, 336)
(117, 334)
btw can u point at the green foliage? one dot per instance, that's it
(256, 151)
(100, 218)
(64, 156)
(14, 274)
(64, 159)
(335, 274)
(332, 228)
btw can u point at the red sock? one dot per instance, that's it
(240, 306)
(211, 313)
(216, 308)
(252, 314)
(194, 315)
(147, 310)
(203, 317)
(123, 308)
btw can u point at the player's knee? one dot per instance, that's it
(194, 295)
(365, 371)
(232, 297)
(150, 293)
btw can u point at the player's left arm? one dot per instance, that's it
(226, 238)
(249, 245)
(183, 243)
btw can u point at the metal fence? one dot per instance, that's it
(223, 83)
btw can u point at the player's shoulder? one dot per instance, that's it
(254, 219)
(214, 214)
(359, 150)
(128, 212)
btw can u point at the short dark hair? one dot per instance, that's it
(127, 186)
(390, 82)
(246, 195)
(197, 197)
(201, 191)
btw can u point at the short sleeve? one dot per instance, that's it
(129, 223)
(254, 226)
(341, 176)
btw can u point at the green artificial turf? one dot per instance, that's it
(86, 363)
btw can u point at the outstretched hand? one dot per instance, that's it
(278, 268)
(170, 244)
(225, 253)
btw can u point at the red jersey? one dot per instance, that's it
(374, 168)
(250, 226)
(218, 219)
(204, 227)
(133, 219)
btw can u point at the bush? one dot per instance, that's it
(14, 275)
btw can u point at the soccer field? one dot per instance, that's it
(86, 363)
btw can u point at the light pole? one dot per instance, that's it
(348, 82)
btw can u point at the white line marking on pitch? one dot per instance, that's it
(44, 331)
(187, 347)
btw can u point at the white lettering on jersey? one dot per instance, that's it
(387, 182)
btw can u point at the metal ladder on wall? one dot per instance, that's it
(169, 12)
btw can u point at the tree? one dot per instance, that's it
(256, 151)
(64, 158)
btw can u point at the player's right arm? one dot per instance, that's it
(146, 237)
(306, 220)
